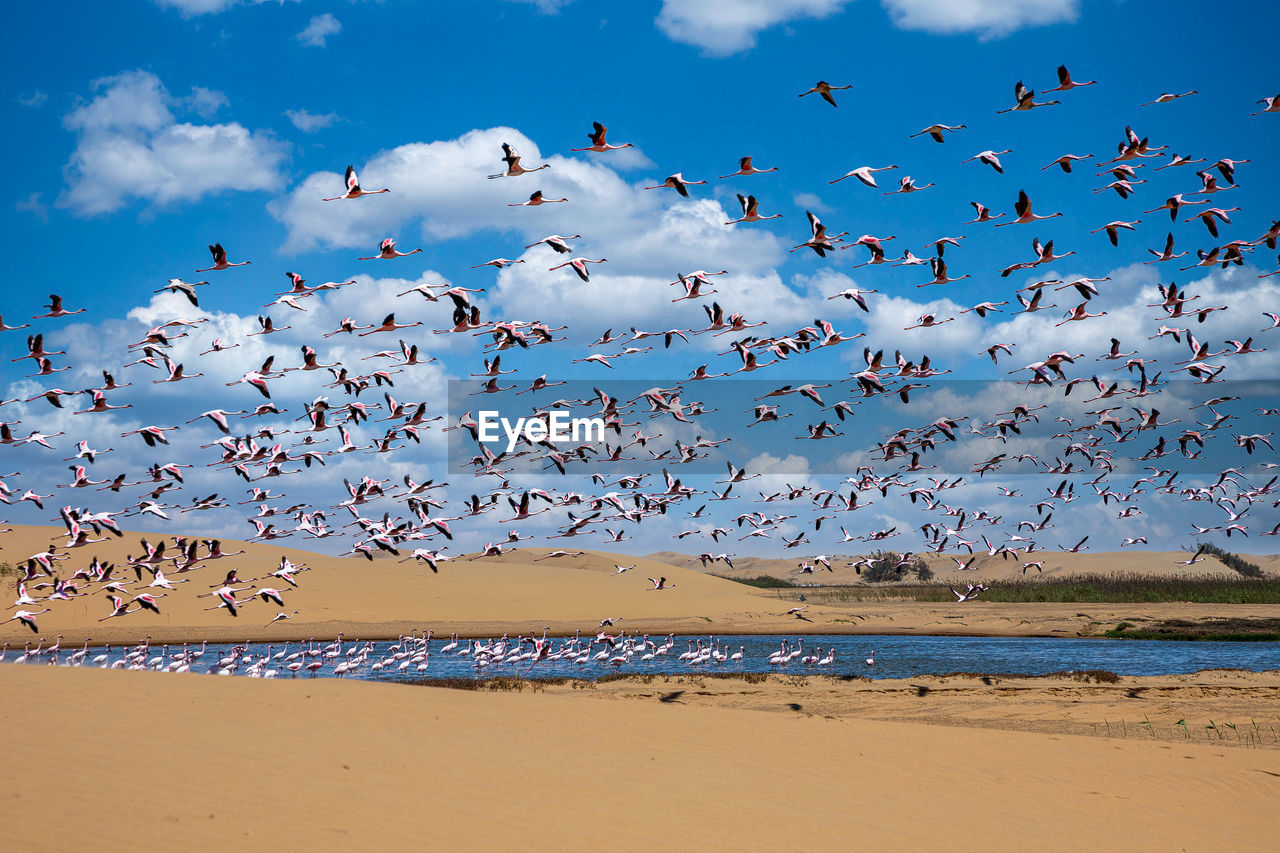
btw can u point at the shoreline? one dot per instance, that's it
(881, 618)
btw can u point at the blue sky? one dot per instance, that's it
(184, 122)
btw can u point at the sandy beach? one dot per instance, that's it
(194, 762)
(635, 763)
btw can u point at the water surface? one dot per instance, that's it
(894, 657)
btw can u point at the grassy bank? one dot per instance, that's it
(1224, 630)
(1117, 588)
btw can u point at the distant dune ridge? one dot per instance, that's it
(1057, 564)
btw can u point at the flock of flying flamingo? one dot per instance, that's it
(259, 441)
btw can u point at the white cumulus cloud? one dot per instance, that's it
(310, 122)
(723, 27)
(318, 29)
(194, 8)
(130, 145)
(989, 18)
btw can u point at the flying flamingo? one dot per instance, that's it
(819, 241)
(353, 187)
(220, 259)
(939, 267)
(387, 251)
(1025, 215)
(1113, 229)
(512, 158)
(823, 88)
(389, 324)
(598, 358)
(856, 295)
(677, 183)
(1065, 161)
(1026, 100)
(928, 321)
(187, 289)
(499, 263)
(559, 244)
(1066, 84)
(100, 404)
(1208, 215)
(175, 375)
(863, 173)
(991, 158)
(749, 210)
(579, 266)
(1167, 253)
(908, 185)
(1272, 105)
(1166, 97)
(983, 213)
(936, 131)
(1079, 313)
(598, 143)
(536, 199)
(55, 310)
(1173, 204)
(745, 168)
(28, 618)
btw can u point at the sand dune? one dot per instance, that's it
(194, 762)
(518, 593)
(383, 598)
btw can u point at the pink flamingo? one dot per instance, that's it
(598, 143)
(387, 251)
(353, 187)
(220, 259)
(745, 168)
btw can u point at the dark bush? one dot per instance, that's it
(1230, 560)
(886, 566)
